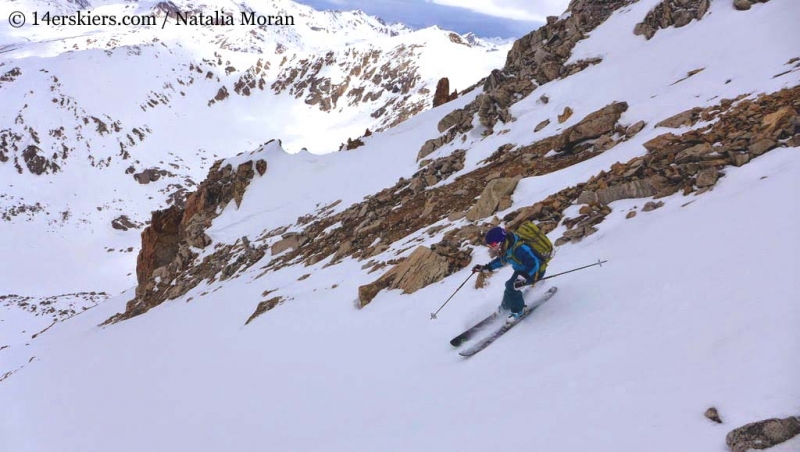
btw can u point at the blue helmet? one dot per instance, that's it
(496, 235)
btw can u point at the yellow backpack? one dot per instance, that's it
(530, 234)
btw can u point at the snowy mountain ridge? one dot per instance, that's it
(287, 301)
(102, 125)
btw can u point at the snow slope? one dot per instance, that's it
(686, 315)
(626, 357)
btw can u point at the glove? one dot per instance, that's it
(520, 283)
(480, 269)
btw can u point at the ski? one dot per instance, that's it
(503, 329)
(470, 333)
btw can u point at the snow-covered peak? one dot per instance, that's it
(106, 105)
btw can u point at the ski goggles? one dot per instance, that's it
(495, 245)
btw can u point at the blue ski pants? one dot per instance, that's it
(512, 298)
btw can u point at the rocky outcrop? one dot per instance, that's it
(388, 78)
(261, 165)
(166, 258)
(355, 144)
(453, 118)
(744, 5)
(541, 54)
(635, 128)
(151, 175)
(36, 162)
(493, 105)
(782, 119)
(352, 144)
(221, 95)
(491, 197)
(57, 307)
(367, 292)
(123, 223)
(763, 434)
(252, 79)
(578, 66)
(160, 242)
(533, 60)
(683, 119)
(438, 170)
(642, 188)
(651, 206)
(263, 307)
(595, 125)
(289, 241)
(442, 94)
(731, 138)
(422, 268)
(706, 178)
(10, 76)
(671, 13)
(584, 224)
(694, 153)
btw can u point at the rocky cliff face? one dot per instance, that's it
(536, 58)
(540, 55)
(167, 243)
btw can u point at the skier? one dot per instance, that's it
(529, 266)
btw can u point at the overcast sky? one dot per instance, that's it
(486, 18)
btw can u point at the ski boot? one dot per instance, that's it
(515, 316)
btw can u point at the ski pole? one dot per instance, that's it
(433, 315)
(599, 262)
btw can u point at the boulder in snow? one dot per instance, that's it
(685, 118)
(763, 434)
(643, 188)
(423, 267)
(494, 191)
(289, 241)
(263, 307)
(563, 117)
(707, 178)
(713, 414)
(368, 291)
(542, 125)
(594, 125)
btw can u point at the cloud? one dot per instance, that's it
(424, 13)
(525, 10)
